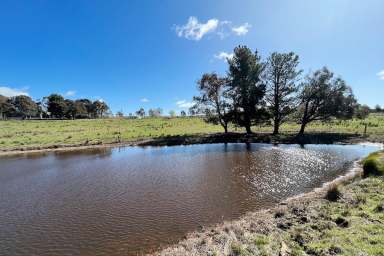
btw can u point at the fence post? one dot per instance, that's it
(365, 129)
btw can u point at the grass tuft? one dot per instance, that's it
(374, 164)
(352, 226)
(333, 194)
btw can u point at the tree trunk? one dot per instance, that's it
(276, 127)
(304, 120)
(248, 128)
(225, 129)
(302, 128)
(276, 107)
(247, 123)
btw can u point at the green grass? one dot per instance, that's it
(29, 134)
(365, 232)
(353, 225)
(17, 134)
(361, 207)
(374, 164)
(375, 126)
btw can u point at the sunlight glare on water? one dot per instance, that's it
(131, 200)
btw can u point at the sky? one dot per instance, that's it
(143, 53)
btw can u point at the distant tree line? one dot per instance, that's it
(273, 91)
(157, 112)
(52, 106)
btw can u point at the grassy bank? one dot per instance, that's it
(43, 134)
(349, 222)
(19, 134)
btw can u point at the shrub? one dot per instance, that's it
(261, 240)
(333, 193)
(374, 164)
(379, 208)
(238, 250)
(279, 213)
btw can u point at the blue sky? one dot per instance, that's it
(150, 53)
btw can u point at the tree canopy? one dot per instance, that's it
(256, 91)
(323, 96)
(140, 112)
(24, 106)
(52, 106)
(246, 86)
(213, 100)
(281, 75)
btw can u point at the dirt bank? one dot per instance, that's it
(352, 223)
(311, 138)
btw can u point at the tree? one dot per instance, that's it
(89, 107)
(75, 109)
(183, 113)
(81, 110)
(24, 106)
(362, 111)
(6, 107)
(155, 112)
(120, 114)
(140, 112)
(378, 108)
(281, 76)
(70, 109)
(322, 97)
(213, 101)
(56, 105)
(3, 99)
(158, 112)
(246, 86)
(41, 108)
(192, 111)
(172, 113)
(100, 108)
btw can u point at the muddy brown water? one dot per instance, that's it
(131, 200)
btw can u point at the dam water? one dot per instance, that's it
(131, 200)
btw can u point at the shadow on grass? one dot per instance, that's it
(309, 138)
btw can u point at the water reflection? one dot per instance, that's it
(128, 200)
(91, 152)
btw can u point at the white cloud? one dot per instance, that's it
(184, 104)
(223, 56)
(194, 30)
(70, 93)
(381, 75)
(145, 100)
(11, 92)
(225, 29)
(241, 30)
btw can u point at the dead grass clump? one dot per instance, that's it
(333, 193)
(279, 213)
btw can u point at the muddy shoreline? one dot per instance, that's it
(265, 221)
(310, 138)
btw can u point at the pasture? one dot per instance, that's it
(28, 134)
